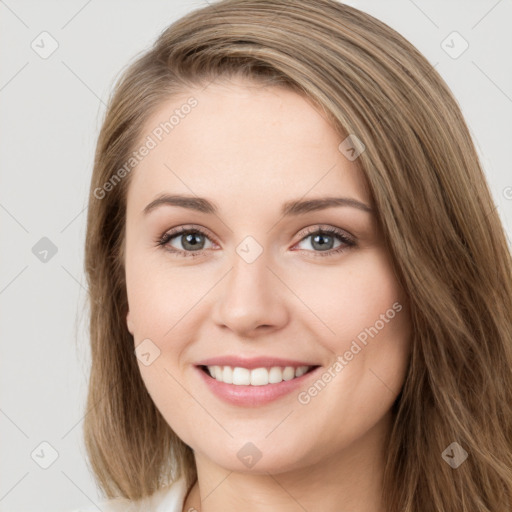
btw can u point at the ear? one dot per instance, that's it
(129, 323)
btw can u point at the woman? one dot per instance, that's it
(301, 291)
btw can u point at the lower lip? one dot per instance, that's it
(250, 396)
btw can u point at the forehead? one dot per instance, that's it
(243, 139)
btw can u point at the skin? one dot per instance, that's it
(249, 149)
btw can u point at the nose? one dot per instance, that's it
(251, 299)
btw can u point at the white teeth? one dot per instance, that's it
(301, 370)
(288, 373)
(257, 376)
(241, 376)
(227, 375)
(275, 375)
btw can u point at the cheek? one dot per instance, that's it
(158, 295)
(368, 324)
(372, 328)
(369, 337)
(352, 297)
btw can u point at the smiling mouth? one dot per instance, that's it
(263, 376)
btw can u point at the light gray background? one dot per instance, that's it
(51, 111)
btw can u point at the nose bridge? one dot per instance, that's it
(249, 279)
(250, 295)
(249, 270)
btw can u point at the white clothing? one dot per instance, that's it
(168, 499)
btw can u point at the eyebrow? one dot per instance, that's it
(290, 208)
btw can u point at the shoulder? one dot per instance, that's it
(167, 499)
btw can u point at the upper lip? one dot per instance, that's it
(253, 362)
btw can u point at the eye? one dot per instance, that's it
(323, 238)
(191, 240)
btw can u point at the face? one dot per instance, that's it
(248, 286)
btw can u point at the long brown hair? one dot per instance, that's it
(440, 224)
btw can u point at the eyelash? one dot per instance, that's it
(163, 240)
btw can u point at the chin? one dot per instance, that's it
(259, 456)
